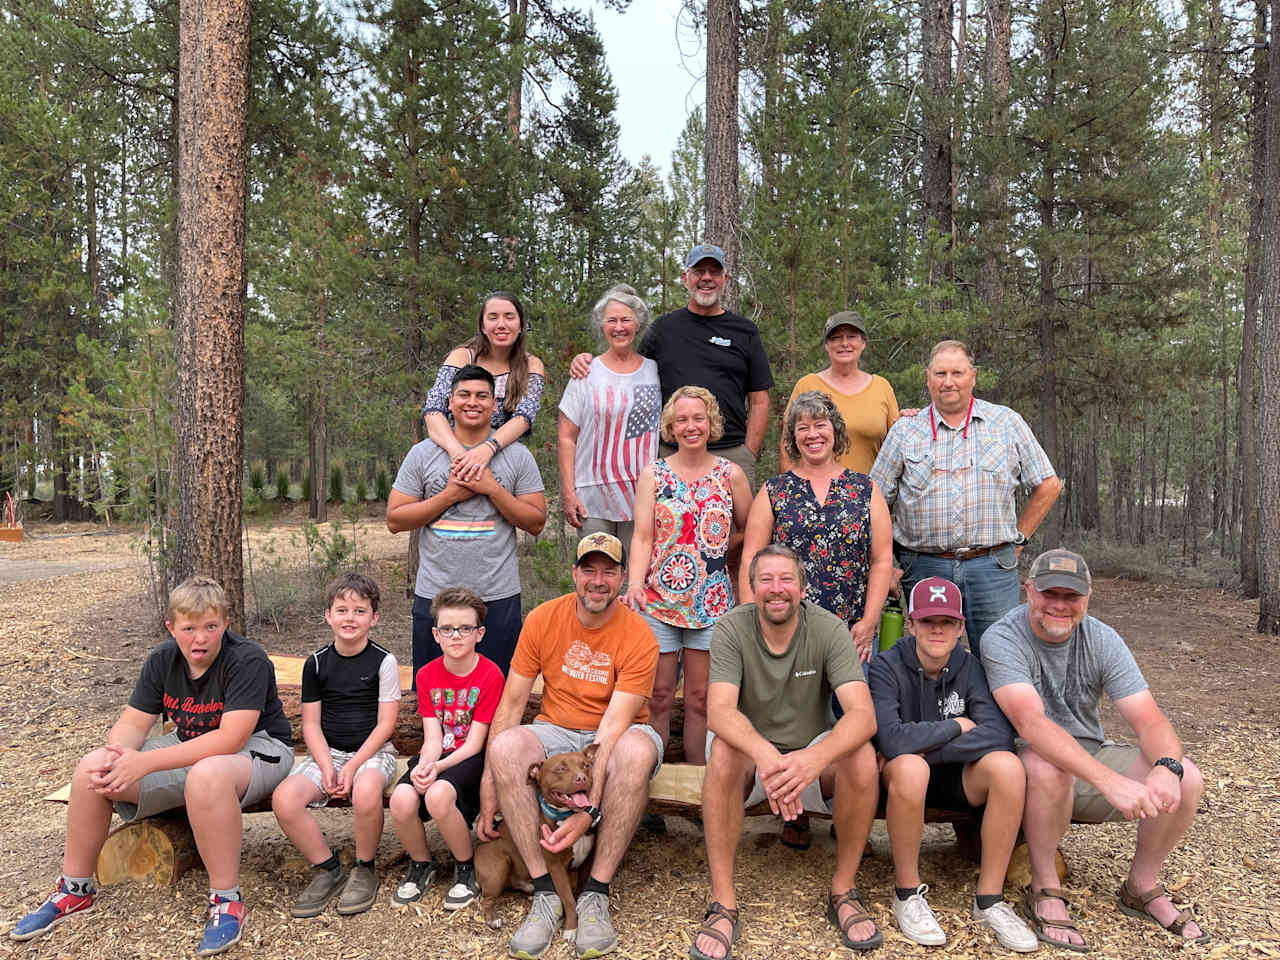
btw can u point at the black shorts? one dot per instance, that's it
(465, 777)
(946, 789)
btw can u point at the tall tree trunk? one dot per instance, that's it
(1248, 380)
(723, 18)
(318, 445)
(996, 80)
(935, 163)
(213, 90)
(1269, 355)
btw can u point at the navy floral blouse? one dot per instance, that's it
(832, 539)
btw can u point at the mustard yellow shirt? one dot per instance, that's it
(868, 415)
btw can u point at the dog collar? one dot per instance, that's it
(553, 813)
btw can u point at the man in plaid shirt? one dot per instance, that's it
(949, 476)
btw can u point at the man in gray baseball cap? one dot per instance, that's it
(1048, 664)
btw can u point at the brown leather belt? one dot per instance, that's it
(967, 554)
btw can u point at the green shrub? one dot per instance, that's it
(337, 492)
(362, 489)
(282, 486)
(257, 480)
(383, 483)
(306, 487)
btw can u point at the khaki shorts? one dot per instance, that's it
(166, 789)
(383, 762)
(1088, 805)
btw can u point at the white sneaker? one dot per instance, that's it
(1010, 929)
(916, 920)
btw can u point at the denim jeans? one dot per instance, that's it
(988, 585)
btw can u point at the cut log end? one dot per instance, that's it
(156, 851)
(1018, 876)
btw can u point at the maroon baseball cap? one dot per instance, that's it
(936, 597)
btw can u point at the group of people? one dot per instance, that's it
(764, 605)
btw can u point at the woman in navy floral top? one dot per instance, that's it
(835, 520)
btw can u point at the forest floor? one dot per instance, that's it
(75, 623)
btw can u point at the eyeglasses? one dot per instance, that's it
(447, 632)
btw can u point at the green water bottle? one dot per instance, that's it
(891, 621)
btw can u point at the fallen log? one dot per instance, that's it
(157, 850)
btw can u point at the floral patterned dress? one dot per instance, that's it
(688, 582)
(832, 539)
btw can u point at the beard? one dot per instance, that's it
(778, 617)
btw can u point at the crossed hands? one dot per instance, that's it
(469, 464)
(337, 784)
(423, 776)
(784, 777)
(121, 768)
(1158, 794)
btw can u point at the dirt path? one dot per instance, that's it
(71, 640)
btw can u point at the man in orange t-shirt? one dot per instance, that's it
(597, 659)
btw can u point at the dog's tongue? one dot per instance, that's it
(579, 800)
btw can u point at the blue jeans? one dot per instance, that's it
(988, 585)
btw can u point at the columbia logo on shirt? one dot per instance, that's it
(801, 674)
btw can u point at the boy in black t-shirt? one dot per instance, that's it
(350, 704)
(232, 745)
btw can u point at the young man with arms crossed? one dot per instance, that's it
(947, 746)
(457, 695)
(350, 705)
(232, 745)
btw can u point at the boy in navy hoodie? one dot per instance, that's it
(946, 745)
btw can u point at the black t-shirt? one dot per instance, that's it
(349, 690)
(722, 353)
(242, 677)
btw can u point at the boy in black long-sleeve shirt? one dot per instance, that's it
(946, 745)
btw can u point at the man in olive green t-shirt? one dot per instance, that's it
(774, 665)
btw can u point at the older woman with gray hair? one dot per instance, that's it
(609, 422)
(835, 519)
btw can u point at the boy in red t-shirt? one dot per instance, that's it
(458, 693)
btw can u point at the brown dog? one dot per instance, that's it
(564, 783)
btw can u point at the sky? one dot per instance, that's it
(657, 61)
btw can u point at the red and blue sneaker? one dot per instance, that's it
(226, 924)
(61, 905)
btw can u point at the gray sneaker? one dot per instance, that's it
(324, 886)
(360, 892)
(464, 889)
(595, 930)
(539, 927)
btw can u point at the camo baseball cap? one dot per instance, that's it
(605, 543)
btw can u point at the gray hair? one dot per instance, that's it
(625, 295)
(814, 405)
(776, 550)
(945, 345)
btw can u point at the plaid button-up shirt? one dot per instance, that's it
(956, 492)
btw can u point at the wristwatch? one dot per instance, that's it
(1020, 540)
(1170, 764)
(594, 813)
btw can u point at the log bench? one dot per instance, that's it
(161, 849)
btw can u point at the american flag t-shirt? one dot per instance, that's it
(617, 418)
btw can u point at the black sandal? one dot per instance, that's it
(795, 833)
(714, 911)
(851, 898)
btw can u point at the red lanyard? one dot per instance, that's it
(964, 434)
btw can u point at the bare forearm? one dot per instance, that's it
(1038, 505)
(850, 732)
(511, 431)
(757, 423)
(441, 434)
(1158, 741)
(878, 587)
(420, 513)
(215, 743)
(733, 727)
(1061, 749)
(127, 735)
(526, 516)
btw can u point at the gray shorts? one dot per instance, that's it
(811, 797)
(383, 762)
(564, 740)
(165, 789)
(622, 529)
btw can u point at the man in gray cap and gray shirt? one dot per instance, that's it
(1048, 664)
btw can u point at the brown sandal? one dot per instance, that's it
(1135, 905)
(714, 911)
(851, 898)
(1032, 899)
